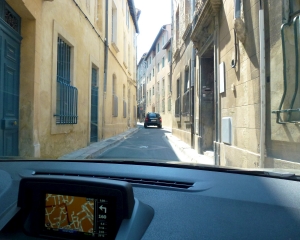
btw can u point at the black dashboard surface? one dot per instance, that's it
(187, 203)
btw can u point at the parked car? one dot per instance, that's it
(153, 119)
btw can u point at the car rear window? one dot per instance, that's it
(153, 115)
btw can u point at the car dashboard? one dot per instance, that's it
(157, 201)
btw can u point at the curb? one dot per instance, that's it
(95, 149)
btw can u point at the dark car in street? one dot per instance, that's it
(153, 119)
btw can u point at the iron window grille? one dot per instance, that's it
(66, 95)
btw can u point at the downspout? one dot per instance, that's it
(262, 74)
(105, 66)
(192, 111)
(216, 93)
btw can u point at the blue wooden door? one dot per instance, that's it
(9, 82)
(94, 107)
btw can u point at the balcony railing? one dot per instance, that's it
(66, 103)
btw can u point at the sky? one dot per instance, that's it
(154, 14)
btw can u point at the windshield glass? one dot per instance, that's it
(177, 81)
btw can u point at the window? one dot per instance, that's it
(178, 88)
(129, 59)
(127, 15)
(169, 55)
(66, 95)
(158, 47)
(177, 28)
(133, 36)
(114, 98)
(124, 50)
(153, 72)
(124, 102)
(163, 62)
(186, 80)
(114, 25)
(158, 67)
(169, 83)
(88, 5)
(153, 90)
(177, 101)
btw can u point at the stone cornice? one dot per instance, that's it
(206, 11)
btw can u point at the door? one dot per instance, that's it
(9, 82)
(94, 107)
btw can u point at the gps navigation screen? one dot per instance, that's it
(77, 215)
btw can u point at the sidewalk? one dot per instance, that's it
(95, 149)
(187, 154)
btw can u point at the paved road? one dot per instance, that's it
(146, 144)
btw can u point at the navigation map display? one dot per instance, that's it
(76, 215)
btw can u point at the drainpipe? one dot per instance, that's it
(192, 89)
(105, 66)
(216, 93)
(262, 74)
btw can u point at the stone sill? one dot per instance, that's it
(114, 45)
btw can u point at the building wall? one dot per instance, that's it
(282, 139)
(157, 84)
(141, 87)
(42, 23)
(122, 65)
(182, 53)
(241, 99)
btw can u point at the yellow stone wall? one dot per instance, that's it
(241, 99)
(42, 23)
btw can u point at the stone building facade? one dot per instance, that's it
(141, 87)
(61, 74)
(158, 79)
(182, 70)
(245, 90)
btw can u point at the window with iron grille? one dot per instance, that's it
(66, 95)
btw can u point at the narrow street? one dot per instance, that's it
(147, 144)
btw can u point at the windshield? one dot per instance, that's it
(191, 82)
